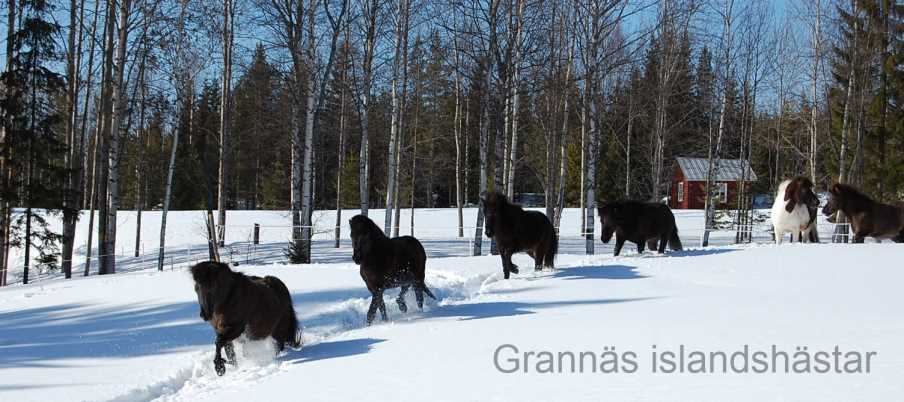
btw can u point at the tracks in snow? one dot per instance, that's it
(332, 320)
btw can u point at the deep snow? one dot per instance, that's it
(137, 336)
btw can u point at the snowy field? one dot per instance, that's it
(436, 228)
(136, 336)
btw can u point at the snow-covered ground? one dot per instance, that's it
(437, 228)
(137, 336)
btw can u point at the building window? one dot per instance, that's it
(722, 192)
(680, 191)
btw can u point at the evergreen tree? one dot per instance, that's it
(32, 146)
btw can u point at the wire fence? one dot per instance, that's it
(267, 244)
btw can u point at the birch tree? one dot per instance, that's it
(226, 105)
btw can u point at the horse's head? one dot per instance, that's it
(800, 191)
(609, 218)
(361, 233)
(213, 281)
(835, 200)
(492, 205)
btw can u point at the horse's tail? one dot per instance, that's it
(674, 240)
(549, 259)
(286, 332)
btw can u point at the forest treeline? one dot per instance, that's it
(300, 105)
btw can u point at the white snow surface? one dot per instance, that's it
(137, 336)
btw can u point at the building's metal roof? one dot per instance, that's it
(695, 169)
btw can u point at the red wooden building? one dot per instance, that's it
(688, 184)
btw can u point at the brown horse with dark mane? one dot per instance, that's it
(868, 218)
(388, 263)
(643, 223)
(516, 230)
(234, 303)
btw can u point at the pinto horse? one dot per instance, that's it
(234, 303)
(388, 263)
(868, 218)
(516, 230)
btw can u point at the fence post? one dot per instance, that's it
(257, 233)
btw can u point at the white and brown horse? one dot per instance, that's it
(791, 211)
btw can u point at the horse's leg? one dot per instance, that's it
(538, 259)
(419, 295)
(663, 242)
(375, 299)
(795, 236)
(507, 266)
(383, 309)
(230, 353)
(619, 242)
(652, 244)
(640, 247)
(512, 267)
(858, 238)
(401, 299)
(225, 336)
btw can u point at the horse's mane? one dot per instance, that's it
(204, 271)
(500, 203)
(851, 194)
(366, 223)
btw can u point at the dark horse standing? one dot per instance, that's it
(516, 230)
(388, 263)
(639, 222)
(235, 303)
(867, 217)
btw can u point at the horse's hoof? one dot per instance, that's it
(219, 366)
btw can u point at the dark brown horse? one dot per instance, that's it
(388, 263)
(234, 303)
(639, 222)
(868, 218)
(516, 230)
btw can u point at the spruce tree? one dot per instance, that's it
(32, 146)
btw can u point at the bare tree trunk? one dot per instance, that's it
(484, 139)
(184, 88)
(5, 205)
(413, 173)
(848, 99)
(106, 117)
(817, 48)
(119, 112)
(392, 170)
(584, 100)
(628, 150)
(516, 24)
(457, 126)
(166, 200)
(714, 154)
(139, 200)
(341, 164)
(225, 119)
(563, 139)
(371, 10)
(73, 168)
